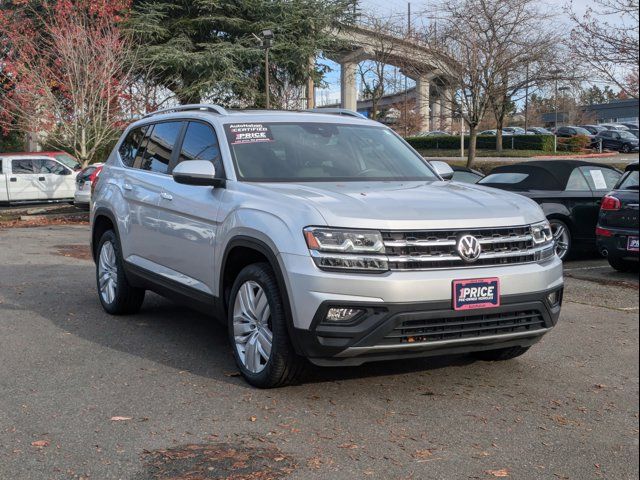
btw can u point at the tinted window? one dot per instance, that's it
(577, 182)
(159, 147)
(605, 134)
(316, 152)
(601, 178)
(48, 166)
(201, 143)
(130, 146)
(630, 181)
(21, 167)
(506, 178)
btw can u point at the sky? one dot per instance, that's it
(387, 8)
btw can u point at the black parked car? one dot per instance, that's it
(617, 232)
(619, 140)
(569, 192)
(466, 175)
(568, 132)
(593, 129)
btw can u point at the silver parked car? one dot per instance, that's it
(318, 237)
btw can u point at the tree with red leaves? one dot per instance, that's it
(65, 69)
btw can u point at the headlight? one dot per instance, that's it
(345, 249)
(541, 233)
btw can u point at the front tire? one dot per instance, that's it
(625, 148)
(258, 330)
(116, 295)
(501, 354)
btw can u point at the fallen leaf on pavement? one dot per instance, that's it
(502, 473)
(120, 419)
(350, 446)
(253, 418)
(40, 443)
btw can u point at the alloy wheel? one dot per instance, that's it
(251, 326)
(108, 273)
(561, 238)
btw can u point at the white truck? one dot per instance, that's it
(35, 179)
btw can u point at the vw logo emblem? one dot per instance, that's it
(469, 248)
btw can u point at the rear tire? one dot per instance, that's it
(623, 265)
(116, 294)
(258, 331)
(501, 354)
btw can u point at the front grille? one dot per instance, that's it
(437, 248)
(463, 327)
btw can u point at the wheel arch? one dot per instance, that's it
(103, 220)
(240, 252)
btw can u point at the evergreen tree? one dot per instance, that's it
(206, 49)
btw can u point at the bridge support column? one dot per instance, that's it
(423, 84)
(348, 86)
(436, 112)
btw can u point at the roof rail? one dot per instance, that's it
(191, 107)
(336, 111)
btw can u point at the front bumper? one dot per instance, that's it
(391, 331)
(394, 297)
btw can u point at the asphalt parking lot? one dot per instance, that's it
(156, 395)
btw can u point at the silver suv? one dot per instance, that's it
(318, 236)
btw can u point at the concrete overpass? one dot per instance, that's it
(430, 69)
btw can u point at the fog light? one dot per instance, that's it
(342, 314)
(554, 298)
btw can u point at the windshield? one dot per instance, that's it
(69, 161)
(582, 131)
(322, 152)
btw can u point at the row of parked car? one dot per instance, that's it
(622, 137)
(588, 205)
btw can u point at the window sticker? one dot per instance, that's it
(249, 133)
(598, 179)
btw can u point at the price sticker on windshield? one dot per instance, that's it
(242, 133)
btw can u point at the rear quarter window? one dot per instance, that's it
(505, 178)
(129, 147)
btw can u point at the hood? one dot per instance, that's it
(411, 205)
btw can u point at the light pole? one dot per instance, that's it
(267, 43)
(555, 74)
(563, 89)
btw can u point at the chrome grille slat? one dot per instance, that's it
(431, 249)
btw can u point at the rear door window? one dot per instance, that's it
(201, 143)
(22, 167)
(159, 147)
(630, 181)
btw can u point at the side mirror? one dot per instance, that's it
(197, 172)
(443, 169)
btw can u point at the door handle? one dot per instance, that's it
(127, 186)
(13, 179)
(41, 179)
(166, 196)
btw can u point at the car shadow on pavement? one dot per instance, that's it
(163, 331)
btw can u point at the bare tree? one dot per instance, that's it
(468, 46)
(605, 40)
(72, 83)
(524, 54)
